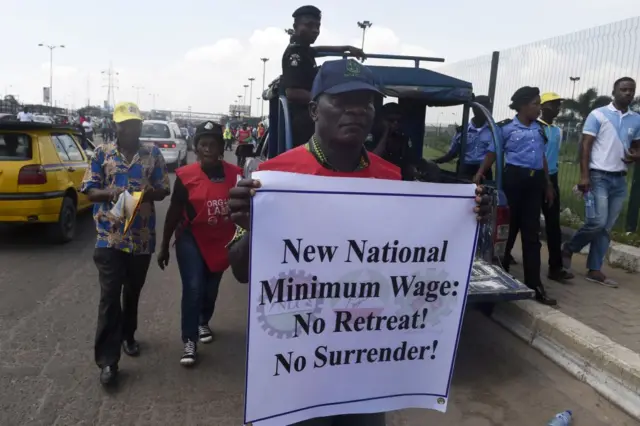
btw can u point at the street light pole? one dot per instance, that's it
(364, 25)
(251, 80)
(153, 98)
(244, 100)
(137, 89)
(51, 47)
(264, 73)
(573, 92)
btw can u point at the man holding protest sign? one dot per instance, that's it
(342, 108)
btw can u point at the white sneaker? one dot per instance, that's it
(189, 355)
(205, 334)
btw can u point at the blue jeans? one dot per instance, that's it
(199, 286)
(609, 192)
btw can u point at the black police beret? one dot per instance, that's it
(208, 128)
(308, 11)
(523, 96)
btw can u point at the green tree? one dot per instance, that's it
(578, 109)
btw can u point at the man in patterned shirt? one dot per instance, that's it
(123, 258)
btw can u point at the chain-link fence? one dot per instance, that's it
(580, 67)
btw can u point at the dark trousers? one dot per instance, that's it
(468, 171)
(523, 188)
(199, 286)
(228, 144)
(552, 227)
(122, 276)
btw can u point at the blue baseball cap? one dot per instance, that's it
(342, 76)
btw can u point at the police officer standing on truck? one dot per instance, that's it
(478, 140)
(526, 177)
(299, 69)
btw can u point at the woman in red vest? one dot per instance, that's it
(199, 216)
(245, 147)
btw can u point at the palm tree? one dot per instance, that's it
(578, 109)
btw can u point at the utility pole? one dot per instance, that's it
(112, 84)
(251, 80)
(51, 47)
(138, 89)
(364, 25)
(264, 73)
(153, 100)
(573, 92)
(88, 89)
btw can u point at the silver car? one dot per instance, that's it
(167, 137)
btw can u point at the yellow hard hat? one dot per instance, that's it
(550, 97)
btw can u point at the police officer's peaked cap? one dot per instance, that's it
(307, 11)
(208, 128)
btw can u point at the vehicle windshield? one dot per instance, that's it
(155, 130)
(15, 147)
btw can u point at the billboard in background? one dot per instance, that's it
(240, 110)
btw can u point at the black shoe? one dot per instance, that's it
(560, 275)
(205, 334)
(189, 354)
(131, 347)
(542, 297)
(108, 375)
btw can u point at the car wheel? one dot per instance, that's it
(65, 229)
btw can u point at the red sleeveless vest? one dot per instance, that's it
(243, 136)
(300, 160)
(212, 227)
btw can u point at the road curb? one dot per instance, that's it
(610, 368)
(620, 256)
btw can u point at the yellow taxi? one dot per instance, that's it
(41, 170)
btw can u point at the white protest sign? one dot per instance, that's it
(357, 289)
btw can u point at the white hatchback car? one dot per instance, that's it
(166, 136)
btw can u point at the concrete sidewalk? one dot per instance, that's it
(594, 332)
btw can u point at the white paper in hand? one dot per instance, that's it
(118, 209)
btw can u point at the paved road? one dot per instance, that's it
(48, 300)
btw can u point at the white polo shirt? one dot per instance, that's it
(614, 131)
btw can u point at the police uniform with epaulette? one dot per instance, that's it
(525, 183)
(298, 71)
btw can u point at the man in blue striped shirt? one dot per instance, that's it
(610, 141)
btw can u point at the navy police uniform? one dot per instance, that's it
(298, 71)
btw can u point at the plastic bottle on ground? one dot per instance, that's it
(561, 419)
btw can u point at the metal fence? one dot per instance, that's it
(580, 67)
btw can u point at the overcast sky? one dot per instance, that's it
(200, 53)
